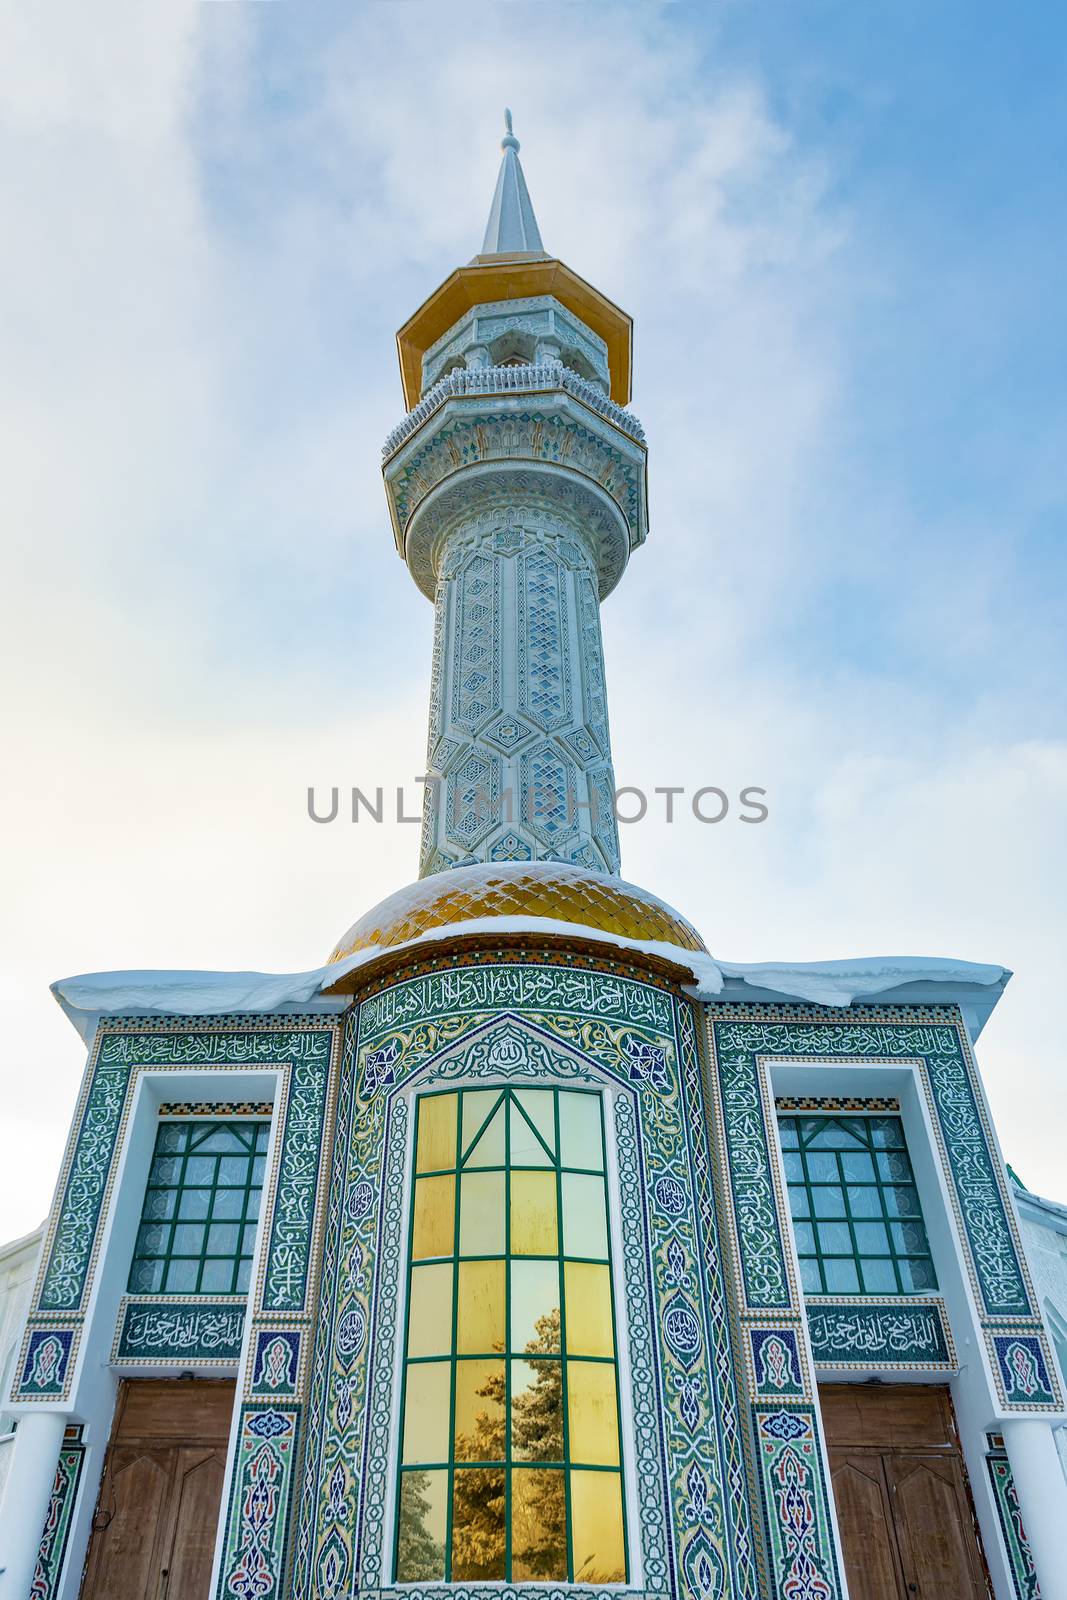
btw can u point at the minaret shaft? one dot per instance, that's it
(518, 754)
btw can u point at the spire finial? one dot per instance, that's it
(512, 227)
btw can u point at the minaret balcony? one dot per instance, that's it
(528, 431)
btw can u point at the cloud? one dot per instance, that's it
(215, 221)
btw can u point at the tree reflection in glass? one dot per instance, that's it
(511, 1460)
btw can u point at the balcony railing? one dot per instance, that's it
(543, 376)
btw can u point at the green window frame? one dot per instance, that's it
(510, 1456)
(198, 1223)
(857, 1220)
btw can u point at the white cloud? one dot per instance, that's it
(210, 241)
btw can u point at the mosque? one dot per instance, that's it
(524, 1247)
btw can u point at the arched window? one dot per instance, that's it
(510, 1460)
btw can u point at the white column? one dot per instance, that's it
(38, 1441)
(1039, 1483)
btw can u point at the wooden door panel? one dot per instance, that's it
(938, 1548)
(198, 1492)
(154, 1532)
(890, 1416)
(124, 1555)
(182, 1409)
(865, 1520)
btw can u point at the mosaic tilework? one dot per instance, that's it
(162, 1330)
(254, 1555)
(1022, 1368)
(214, 1108)
(495, 1022)
(822, 1102)
(776, 1364)
(1020, 1560)
(58, 1518)
(276, 1363)
(302, 1053)
(518, 757)
(935, 1041)
(803, 1558)
(534, 433)
(941, 1047)
(47, 1357)
(859, 1332)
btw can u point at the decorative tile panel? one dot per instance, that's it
(864, 1333)
(1009, 1512)
(797, 1514)
(519, 758)
(58, 1518)
(1023, 1368)
(276, 1364)
(495, 1022)
(254, 1555)
(777, 1365)
(172, 1330)
(938, 1042)
(164, 1330)
(47, 1355)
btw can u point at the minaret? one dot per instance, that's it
(516, 485)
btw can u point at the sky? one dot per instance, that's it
(840, 231)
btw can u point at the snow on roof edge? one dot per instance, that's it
(87, 996)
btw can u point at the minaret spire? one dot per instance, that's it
(512, 227)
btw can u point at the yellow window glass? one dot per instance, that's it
(481, 1214)
(585, 1220)
(421, 1525)
(535, 1319)
(483, 1129)
(533, 1214)
(426, 1412)
(510, 1441)
(588, 1291)
(537, 1410)
(479, 1421)
(596, 1527)
(530, 1147)
(478, 1523)
(480, 1308)
(436, 1148)
(430, 1311)
(539, 1106)
(593, 1413)
(580, 1138)
(538, 1524)
(435, 1217)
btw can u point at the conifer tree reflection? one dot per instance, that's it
(419, 1556)
(538, 1502)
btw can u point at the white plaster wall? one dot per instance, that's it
(18, 1264)
(1045, 1242)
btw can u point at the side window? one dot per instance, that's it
(201, 1206)
(510, 1461)
(856, 1215)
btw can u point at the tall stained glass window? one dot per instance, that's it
(856, 1216)
(201, 1206)
(510, 1465)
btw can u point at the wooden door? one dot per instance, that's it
(935, 1531)
(154, 1529)
(903, 1506)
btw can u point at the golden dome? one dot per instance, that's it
(553, 891)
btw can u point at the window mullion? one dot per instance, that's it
(450, 1481)
(564, 1376)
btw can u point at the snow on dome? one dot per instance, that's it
(553, 891)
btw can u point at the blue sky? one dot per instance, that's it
(840, 230)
